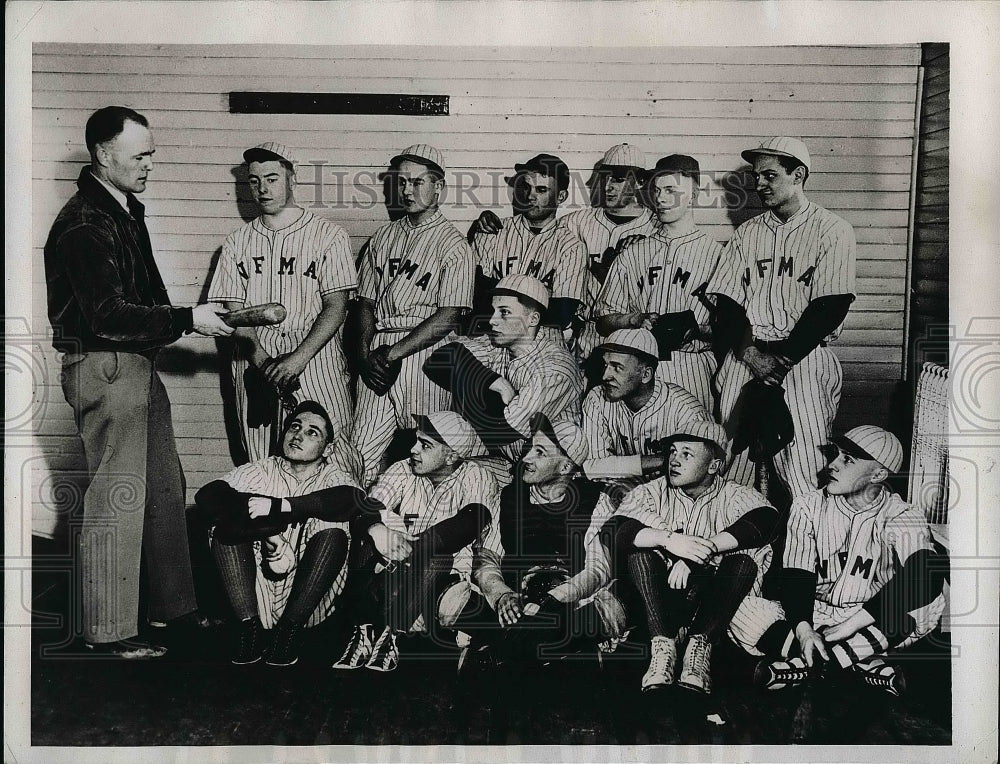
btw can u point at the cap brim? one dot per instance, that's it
(263, 155)
(540, 423)
(520, 296)
(427, 427)
(622, 168)
(850, 447)
(722, 452)
(614, 347)
(394, 162)
(750, 154)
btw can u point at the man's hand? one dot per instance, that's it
(488, 222)
(505, 389)
(642, 320)
(810, 643)
(693, 548)
(628, 241)
(269, 546)
(848, 628)
(377, 371)
(205, 320)
(678, 576)
(392, 545)
(509, 609)
(766, 367)
(258, 506)
(280, 371)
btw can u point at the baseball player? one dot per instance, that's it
(862, 575)
(501, 382)
(280, 534)
(416, 279)
(659, 282)
(291, 256)
(618, 218)
(432, 507)
(533, 243)
(782, 294)
(632, 411)
(695, 545)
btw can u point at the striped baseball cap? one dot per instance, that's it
(520, 285)
(637, 342)
(269, 151)
(449, 428)
(782, 146)
(565, 435)
(706, 432)
(873, 443)
(625, 156)
(422, 153)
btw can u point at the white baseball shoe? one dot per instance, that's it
(879, 674)
(662, 664)
(359, 649)
(385, 653)
(696, 673)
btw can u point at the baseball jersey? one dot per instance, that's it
(775, 269)
(546, 379)
(409, 271)
(659, 506)
(414, 504)
(553, 256)
(662, 274)
(273, 477)
(619, 437)
(853, 553)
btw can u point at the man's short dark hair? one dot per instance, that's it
(790, 163)
(104, 124)
(309, 407)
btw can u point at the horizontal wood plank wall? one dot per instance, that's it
(852, 105)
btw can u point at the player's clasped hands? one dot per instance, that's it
(693, 548)
(678, 576)
(394, 546)
(205, 320)
(509, 609)
(281, 370)
(642, 320)
(766, 367)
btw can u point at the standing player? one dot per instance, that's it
(433, 506)
(659, 283)
(416, 279)
(861, 571)
(533, 243)
(286, 255)
(782, 294)
(632, 411)
(618, 219)
(695, 545)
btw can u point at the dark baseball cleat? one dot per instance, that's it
(777, 675)
(249, 642)
(358, 650)
(284, 649)
(385, 653)
(879, 674)
(126, 650)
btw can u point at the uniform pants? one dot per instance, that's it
(134, 503)
(812, 392)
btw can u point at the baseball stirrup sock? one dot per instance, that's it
(722, 595)
(866, 644)
(322, 560)
(238, 570)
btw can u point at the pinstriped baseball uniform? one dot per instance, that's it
(553, 256)
(599, 234)
(774, 270)
(854, 554)
(546, 379)
(272, 477)
(408, 272)
(662, 274)
(295, 265)
(618, 437)
(414, 504)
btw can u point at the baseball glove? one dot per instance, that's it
(672, 330)
(378, 373)
(539, 581)
(262, 398)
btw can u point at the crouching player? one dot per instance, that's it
(694, 545)
(861, 573)
(280, 534)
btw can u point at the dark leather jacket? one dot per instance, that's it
(104, 289)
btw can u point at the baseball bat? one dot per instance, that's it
(268, 314)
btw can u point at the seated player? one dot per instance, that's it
(433, 506)
(632, 410)
(280, 534)
(543, 566)
(861, 573)
(695, 544)
(499, 383)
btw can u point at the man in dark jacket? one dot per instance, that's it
(110, 315)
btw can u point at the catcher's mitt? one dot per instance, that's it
(672, 330)
(539, 581)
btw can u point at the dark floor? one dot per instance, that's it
(194, 697)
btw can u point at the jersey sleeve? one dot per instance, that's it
(907, 533)
(254, 477)
(618, 295)
(484, 249)
(228, 284)
(337, 271)
(369, 279)
(800, 540)
(683, 409)
(837, 263)
(388, 490)
(727, 279)
(550, 392)
(457, 279)
(641, 504)
(570, 280)
(603, 462)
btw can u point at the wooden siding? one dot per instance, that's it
(853, 106)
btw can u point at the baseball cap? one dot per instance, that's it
(676, 164)
(269, 151)
(780, 147)
(519, 285)
(422, 153)
(566, 435)
(870, 442)
(449, 428)
(637, 342)
(545, 164)
(706, 432)
(623, 156)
